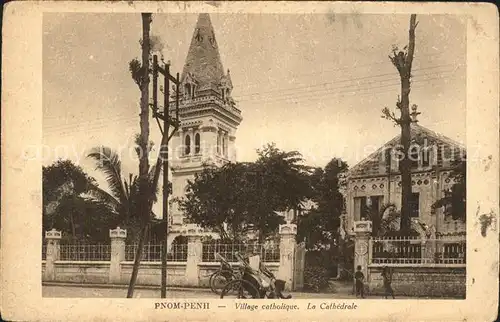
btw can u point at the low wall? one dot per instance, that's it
(149, 272)
(421, 281)
(207, 269)
(82, 272)
(188, 269)
(98, 272)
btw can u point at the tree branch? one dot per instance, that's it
(387, 114)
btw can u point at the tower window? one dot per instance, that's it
(197, 143)
(187, 143)
(193, 88)
(223, 94)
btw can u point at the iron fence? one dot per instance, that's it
(152, 253)
(85, 252)
(409, 250)
(268, 254)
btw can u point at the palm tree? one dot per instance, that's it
(124, 194)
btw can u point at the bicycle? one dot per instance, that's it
(223, 275)
(251, 283)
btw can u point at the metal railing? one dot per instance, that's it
(417, 251)
(152, 253)
(85, 252)
(268, 254)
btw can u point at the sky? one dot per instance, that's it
(315, 83)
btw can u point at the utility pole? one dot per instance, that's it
(167, 135)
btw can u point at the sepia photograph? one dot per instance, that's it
(247, 161)
(322, 159)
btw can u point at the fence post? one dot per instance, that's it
(194, 254)
(53, 238)
(118, 237)
(287, 254)
(363, 230)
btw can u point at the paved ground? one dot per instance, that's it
(95, 292)
(80, 291)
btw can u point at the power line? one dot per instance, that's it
(388, 88)
(378, 62)
(87, 129)
(70, 125)
(296, 95)
(345, 92)
(338, 81)
(329, 93)
(357, 86)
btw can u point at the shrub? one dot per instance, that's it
(315, 278)
(322, 258)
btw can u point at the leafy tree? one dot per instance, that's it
(454, 200)
(283, 176)
(238, 198)
(215, 200)
(67, 205)
(321, 224)
(124, 194)
(390, 222)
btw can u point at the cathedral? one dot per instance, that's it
(208, 114)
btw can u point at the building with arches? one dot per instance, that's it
(209, 117)
(376, 181)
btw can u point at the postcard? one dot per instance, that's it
(251, 160)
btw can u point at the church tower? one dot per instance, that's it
(209, 116)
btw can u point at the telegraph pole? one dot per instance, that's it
(167, 135)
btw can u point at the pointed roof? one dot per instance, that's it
(203, 61)
(417, 131)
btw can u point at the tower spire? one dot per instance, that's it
(203, 63)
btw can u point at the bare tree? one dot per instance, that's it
(402, 60)
(140, 73)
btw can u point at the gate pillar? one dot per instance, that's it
(363, 230)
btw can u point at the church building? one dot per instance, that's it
(208, 114)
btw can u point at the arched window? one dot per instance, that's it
(187, 90)
(187, 145)
(193, 91)
(223, 94)
(414, 155)
(197, 143)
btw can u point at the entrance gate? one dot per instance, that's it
(299, 266)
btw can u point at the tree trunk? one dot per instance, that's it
(145, 191)
(405, 164)
(137, 261)
(72, 223)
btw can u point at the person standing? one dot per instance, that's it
(387, 276)
(359, 278)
